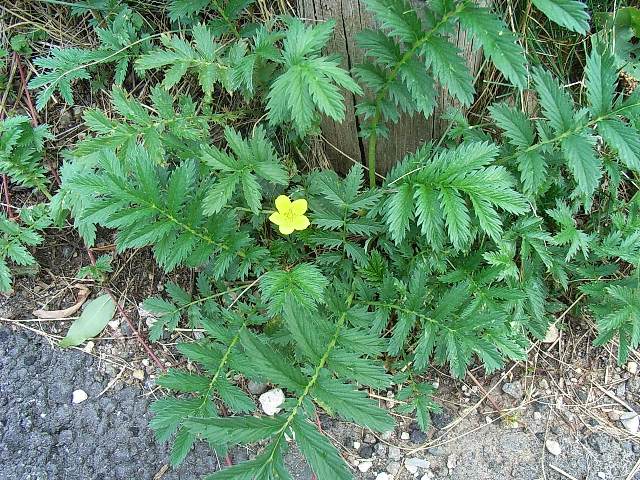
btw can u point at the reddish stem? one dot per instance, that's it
(34, 114)
(139, 337)
(7, 196)
(23, 79)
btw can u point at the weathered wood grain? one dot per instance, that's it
(351, 17)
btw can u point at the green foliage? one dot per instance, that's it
(169, 128)
(99, 271)
(308, 83)
(206, 58)
(571, 14)
(22, 150)
(250, 160)
(17, 237)
(119, 41)
(436, 191)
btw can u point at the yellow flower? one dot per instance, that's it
(290, 215)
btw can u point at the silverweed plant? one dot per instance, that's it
(333, 287)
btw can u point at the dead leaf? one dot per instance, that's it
(83, 294)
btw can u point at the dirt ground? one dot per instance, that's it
(555, 417)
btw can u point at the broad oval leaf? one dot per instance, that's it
(91, 322)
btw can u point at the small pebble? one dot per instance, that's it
(602, 475)
(369, 438)
(630, 421)
(418, 436)
(437, 451)
(553, 447)
(393, 468)
(79, 396)
(513, 389)
(365, 451)
(537, 416)
(138, 374)
(413, 464)
(365, 466)
(88, 348)
(395, 453)
(405, 436)
(451, 462)
(552, 334)
(257, 388)
(383, 476)
(386, 435)
(632, 368)
(356, 445)
(270, 401)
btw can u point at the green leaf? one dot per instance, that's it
(557, 104)
(352, 404)
(184, 381)
(95, 316)
(584, 165)
(601, 78)
(498, 42)
(623, 139)
(571, 14)
(303, 285)
(236, 430)
(322, 456)
(183, 443)
(271, 364)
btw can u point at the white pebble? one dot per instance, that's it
(79, 396)
(356, 445)
(631, 422)
(365, 466)
(386, 435)
(270, 401)
(394, 453)
(404, 436)
(553, 447)
(632, 368)
(537, 416)
(138, 374)
(412, 464)
(552, 334)
(383, 476)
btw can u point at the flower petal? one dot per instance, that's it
(300, 222)
(277, 218)
(299, 206)
(286, 229)
(283, 204)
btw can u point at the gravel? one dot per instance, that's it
(45, 436)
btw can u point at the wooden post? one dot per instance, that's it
(351, 17)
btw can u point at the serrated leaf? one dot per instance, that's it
(571, 14)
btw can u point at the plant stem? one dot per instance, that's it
(314, 378)
(382, 93)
